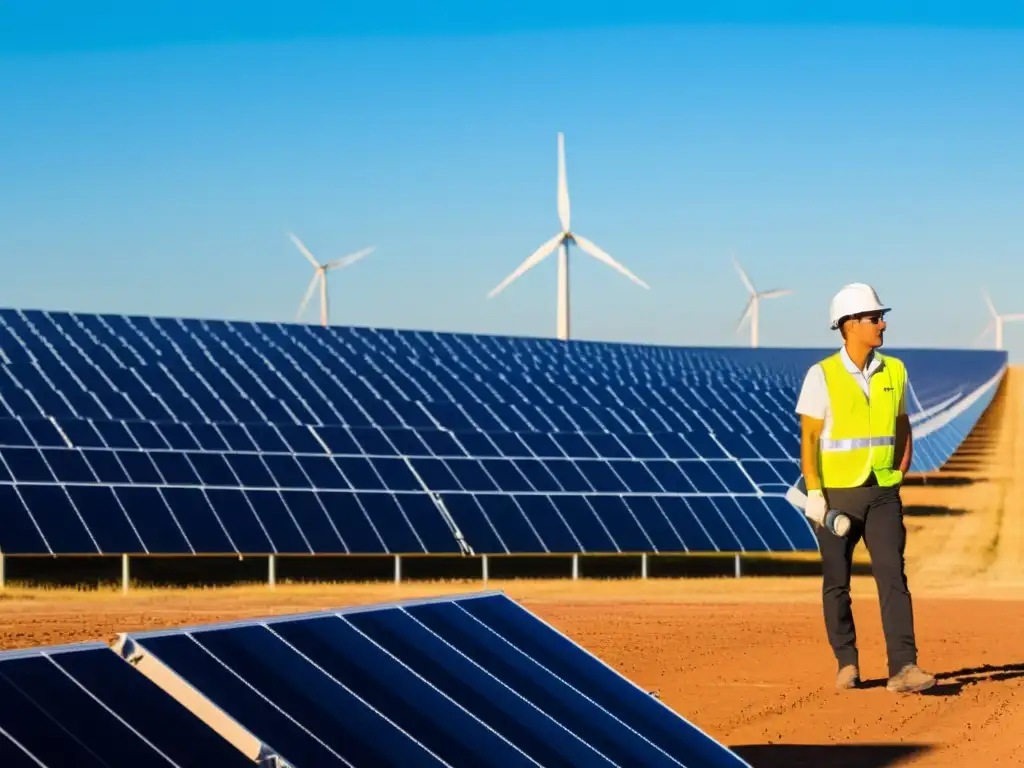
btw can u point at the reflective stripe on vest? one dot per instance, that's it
(862, 436)
(853, 443)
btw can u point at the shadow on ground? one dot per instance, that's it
(994, 673)
(951, 683)
(932, 510)
(833, 755)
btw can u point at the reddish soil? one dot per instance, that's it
(747, 659)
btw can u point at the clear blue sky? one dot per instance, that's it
(152, 161)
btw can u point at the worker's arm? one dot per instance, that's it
(904, 448)
(904, 444)
(810, 434)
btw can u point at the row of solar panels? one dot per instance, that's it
(326, 472)
(131, 341)
(234, 350)
(185, 399)
(372, 441)
(212, 382)
(469, 681)
(128, 341)
(164, 520)
(931, 452)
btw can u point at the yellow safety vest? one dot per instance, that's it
(862, 438)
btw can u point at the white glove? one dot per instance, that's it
(816, 507)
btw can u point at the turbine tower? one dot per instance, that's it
(752, 310)
(998, 320)
(562, 241)
(320, 274)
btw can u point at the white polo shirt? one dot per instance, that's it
(813, 400)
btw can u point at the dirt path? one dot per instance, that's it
(744, 659)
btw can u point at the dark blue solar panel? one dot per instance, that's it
(103, 517)
(178, 437)
(149, 514)
(115, 434)
(19, 533)
(44, 433)
(13, 433)
(82, 434)
(465, 681)
(85, 706)
(591, 531)
(27, 465)
(512, 525)
(473, 523)
(347, 516)
(544, 518)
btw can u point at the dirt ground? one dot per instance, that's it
(747, 659)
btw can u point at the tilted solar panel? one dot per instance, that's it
(463, 681)
(84, 706)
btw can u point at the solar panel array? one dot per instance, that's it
(474, 680)
(170, 436)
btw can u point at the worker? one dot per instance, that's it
(855, 448)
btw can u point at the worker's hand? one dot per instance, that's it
(816, 506)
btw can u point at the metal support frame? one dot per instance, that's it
(272, 571)
(126, 573)
(738, 566)
(442, 509)
(643, 565)
(398, 569)
(575, 567)
(484, 569)
(3, 571)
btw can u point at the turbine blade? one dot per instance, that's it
(352, 258)
(309, 293)
(563, 186)
(531, 261)
(775, 293)
(600, 255)
(305, 251)
(746, 313)
(743, 275)
(988, 301)
(1012, 318)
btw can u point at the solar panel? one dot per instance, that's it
(471, 680)
(168, 436)
(82, 705)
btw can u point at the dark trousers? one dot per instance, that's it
(876, 515)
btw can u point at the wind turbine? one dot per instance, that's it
(321, 275)
(997, 320)
(562, 241)
(753, 307)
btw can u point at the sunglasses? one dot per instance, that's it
(874, 319)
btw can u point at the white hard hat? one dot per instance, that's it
(853, 299)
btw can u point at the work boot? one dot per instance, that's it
(848, 677)
(910, 679)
